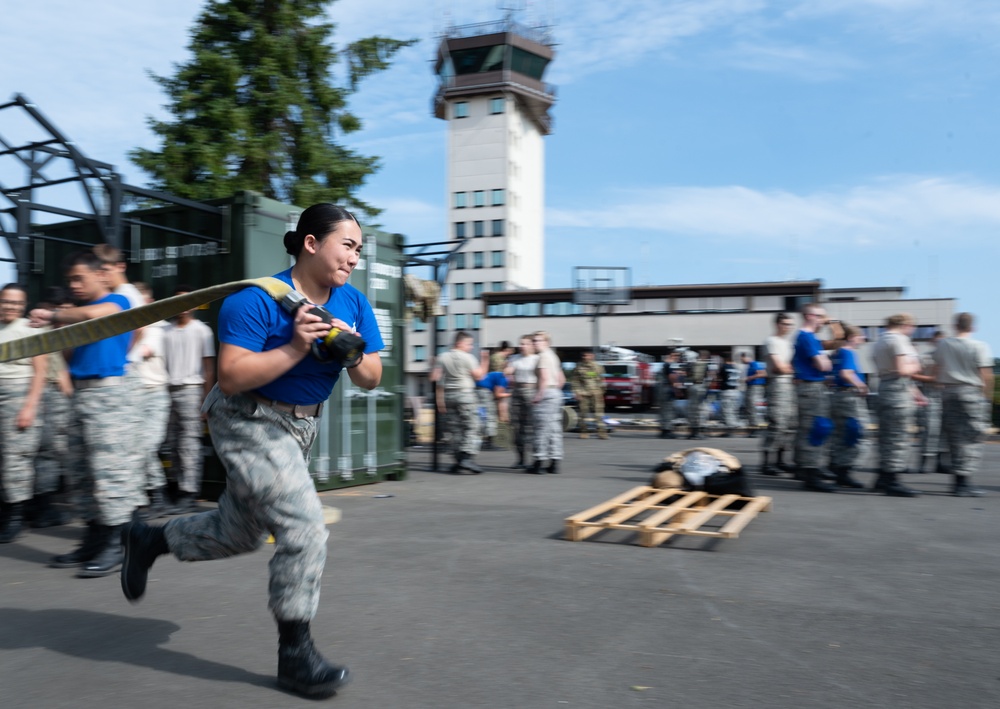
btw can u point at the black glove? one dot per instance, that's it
(341, 346)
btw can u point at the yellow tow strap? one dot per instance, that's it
(84, 333)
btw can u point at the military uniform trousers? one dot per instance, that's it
(488, 404)
(929, 421)
(101, 453)
(965, 420)
(665, 395)
(730, 408)
(548, 425)
(895, 417)
(755, 397)
(591, 407)
(184, 435)
(53, 444)
(847, 404)
(813, 401)
(463, 422)
(781, 415)
(153, 403)
(17, 445)
(521, 416)
(268, 490)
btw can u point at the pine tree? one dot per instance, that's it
(256, 107)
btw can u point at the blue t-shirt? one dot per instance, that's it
(807, 346)
(845, 359)
(492, 380)
(255, 321)
(753, 368)
(104, 358)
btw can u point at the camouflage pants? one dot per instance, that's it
(488, 403)
(895, 416)
(548, 425)
(813, 401)
(153, 404)
(462, 421)
(730, 408)
(667, 408)
(591, 407)
(965, 420)
(17, 445)
(695, 400)
(929, 421)
(53, 446)
(184, 436)
(101, 455)
(521, 416)
(268, 490)
(755, 397)
(781, 416)
(847, 404)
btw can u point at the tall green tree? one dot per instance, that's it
(257, 106)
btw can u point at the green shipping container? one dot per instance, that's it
(361, 433)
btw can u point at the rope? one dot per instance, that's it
(84, 333)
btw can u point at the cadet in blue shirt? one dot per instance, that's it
(492, 393)
(849, 408)
(262, 415)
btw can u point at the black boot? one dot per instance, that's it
(894, 488)
(553, 467)
(185, 504)
(142, 544)
(666, 434)
(157, 506)
(844, 479)
(469, 465)
(536, 467)
(963, 489)
(301, 669)
(813, 479)
(87, 550)
(942, 467)
(108, 559)
(11, 521)
(520, 459)
(46, 514)
(765, 466)
(694, 435)
(782, 465)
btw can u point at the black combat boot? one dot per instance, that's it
(87, 550)
(963, 489)
(694, 435)
(892, 487)
(108, 558)
(536, 467)
(301, 669)
(142, 544)
(782, 465)
(766, 468)
(553, 467)
(469, 465)
(185, 503)
(666, 434)
(941, 466)
(11, 521)
(157, 506)
(842, 475)
(813, 480)
(46, 514)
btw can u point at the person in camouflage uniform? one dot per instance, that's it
(456, 374)
(848, 408)
(588, 385)
(782, 410)
(697, 381)
(21, 385)
(670, 390)
(964, 368)
(929, 416)
(262, 415)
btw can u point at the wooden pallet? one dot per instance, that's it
(656, 515)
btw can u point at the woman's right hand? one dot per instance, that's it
(306, 329)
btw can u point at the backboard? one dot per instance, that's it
(602, 285)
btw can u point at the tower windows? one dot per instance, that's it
(477, 290)
(479, 198)
(497, 228)
(459, 261)
(479, 228)
(460, 200)
(459, 230)
(477, 259)
(459, 291)
(496, 198)
(497, 261)
(461, 109)
(496, 105)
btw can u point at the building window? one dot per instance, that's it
(419, 325)
(497, 286)
(479, 198)
(459, 261)
(442, 322)
(460, 200)
(497, 228)
(459, 230)
(477, 259)
(420, 353)
(496, 105)
(479, 228)
(460, 321)
(476, 320)
(459, 292)
(477, 290)
(497, 261)
(442, 349)
(461, 109)
(496, 198)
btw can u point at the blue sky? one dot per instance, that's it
(854, 141)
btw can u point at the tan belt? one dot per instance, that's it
(299, 411)
(102, 382)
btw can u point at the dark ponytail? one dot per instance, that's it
(318, 220)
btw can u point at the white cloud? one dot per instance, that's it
(887, 212)
(802, 62)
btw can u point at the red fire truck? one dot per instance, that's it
(629, 379)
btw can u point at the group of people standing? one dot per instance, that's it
(92, 422)
(817, 402)
(692, 380)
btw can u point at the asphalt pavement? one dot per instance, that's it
(446, 591)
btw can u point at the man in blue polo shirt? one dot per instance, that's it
(756, 380)
(108, 485)
(811, 365)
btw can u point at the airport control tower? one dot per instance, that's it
(491, 93)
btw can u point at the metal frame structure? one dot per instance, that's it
(103, 191)
(601, 287)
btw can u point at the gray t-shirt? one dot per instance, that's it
(890, 346)
(780, 348)
(456, 370)
(959, 360)
(523, 367)
(184, 348)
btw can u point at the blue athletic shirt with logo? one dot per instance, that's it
(492, 380)
(104, 358)
(255, 321)
(807, 346)
(753, 367)
(845, 359)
